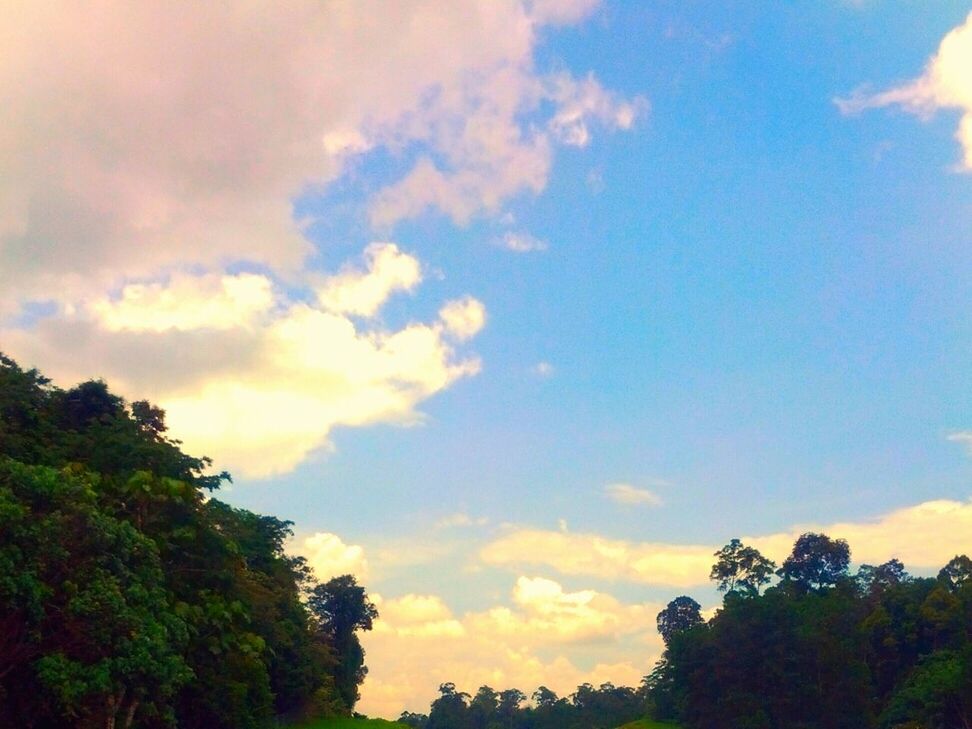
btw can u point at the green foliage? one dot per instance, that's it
(342, 722)
(823, 650)
(342, 608)
(741, 569)
(681, 614)
(588, 707)
(127, 595)
(817, 561)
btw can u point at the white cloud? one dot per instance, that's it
(613, 559)
(329, 557)
(924, 537)
(580, 102)
(945, 84)
(150, 138)
(260, 395)
(628, 495)
(186, 303)
(520, 242)
(463, 318)
(388, 270)
(419, 643)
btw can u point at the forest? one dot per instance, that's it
(820, 649)
(130, 596)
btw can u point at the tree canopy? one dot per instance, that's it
(129, 596)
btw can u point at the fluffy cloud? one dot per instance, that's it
(187, 303)
(354, 291)
(463, 318)
(329, 556)
(613, 559)
(628, 495)
(945, 84)
(536, 639)
(924, 537)
(251, 378)
(151, 138)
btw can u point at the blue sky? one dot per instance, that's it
(741, 290)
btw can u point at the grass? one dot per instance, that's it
(346, 723)
(648, 724)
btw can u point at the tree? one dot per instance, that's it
(741, 569)
(509, 705)
(957, 572)
(450, 710)
(483, 707)
(681, 614)
(86, 613)
(342, 608)
(873, 580)
(817, 561)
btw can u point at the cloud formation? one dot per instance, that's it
(153, 138)
(531, 640)
(945, 84)
(329, 556)
(924, 537)
(251, 377)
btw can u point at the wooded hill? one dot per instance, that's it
(129, 596)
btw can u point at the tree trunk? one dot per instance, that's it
(130, 714)
(113, 704)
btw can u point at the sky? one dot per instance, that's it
(518, 309)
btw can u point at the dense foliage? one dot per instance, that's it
(822, 649)
(130, 597)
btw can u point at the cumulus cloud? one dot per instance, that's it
(613, 559)
(152, 138)
(945, 84)
(329, 556)
(463, 318)
(628, 495)
(924, 537)
(187, 303)
(536, 638)
(258, 385)
(354, 291)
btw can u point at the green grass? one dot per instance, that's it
(648, 724)
(344, 723)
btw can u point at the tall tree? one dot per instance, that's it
(342, 608)
(817, 561)
(741, 569)
(681, 614)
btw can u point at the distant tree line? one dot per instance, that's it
(821, 649)
(130, 597)
(604, 707)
